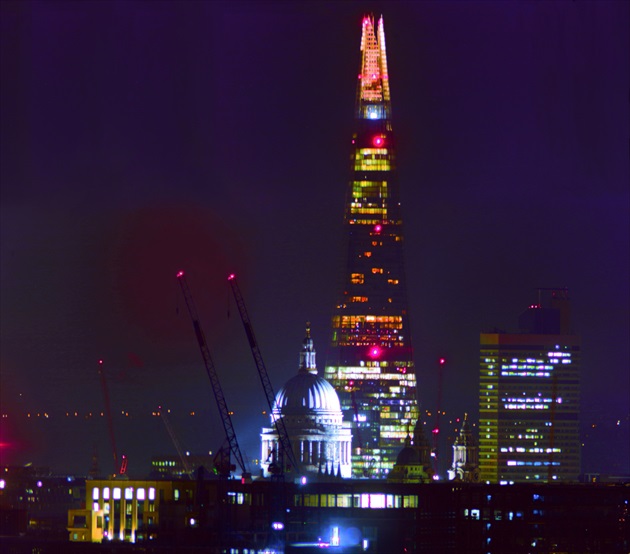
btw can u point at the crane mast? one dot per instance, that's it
(108, 414)
(436, 429)
(283, 436)
(212, 374)
(171, 433)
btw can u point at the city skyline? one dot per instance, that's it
(141, 139)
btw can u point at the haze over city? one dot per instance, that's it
(139, 139)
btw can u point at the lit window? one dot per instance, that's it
(151, 493)
(117, 493)
(376, 270)
(95, 493)
(357, 278)
(140, 494)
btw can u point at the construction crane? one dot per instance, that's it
(225, 413)
(436, 429)
(285, 449)
(171, 433)
(122, 469)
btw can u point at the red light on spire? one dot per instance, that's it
(231, 276)
(375, 352)
(442, 361)
(378, 228)
(180, 274)
(378, 141)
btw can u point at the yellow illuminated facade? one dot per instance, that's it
(370, 363)
(128, 511)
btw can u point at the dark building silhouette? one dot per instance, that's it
(352, 516)
(529, 397)
(370, 363)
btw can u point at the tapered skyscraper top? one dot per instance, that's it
(371, 359)
(373, 90)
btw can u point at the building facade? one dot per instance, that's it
(529, 397)
(313, 419)
(370, 362)
(351, 516)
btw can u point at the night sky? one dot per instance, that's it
(141, 138)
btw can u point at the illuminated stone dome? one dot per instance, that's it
(310, 409)
(307, 394)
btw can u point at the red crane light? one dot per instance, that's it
(180, 274)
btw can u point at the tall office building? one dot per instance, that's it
(529, 397)
(370, 362)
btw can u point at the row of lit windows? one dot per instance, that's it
(525, 374)
(116, 493)
(372, 159)
(357, 374)
(359, 278)
(520, 449)
(526, 406)
(369, 189)
(528, 463)
(372, 501)
(354, 320)
(356, 209)
(530, 400)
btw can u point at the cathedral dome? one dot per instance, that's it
(306, 394)
(408, 456)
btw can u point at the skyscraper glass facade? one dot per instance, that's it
(370, 363)
(529, 401)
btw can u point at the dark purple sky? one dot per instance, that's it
(139, 138)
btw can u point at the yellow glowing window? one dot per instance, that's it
(367, 254)
(357, 278)
(359, 299)
(371, 190)
(372, 159)
(376, 270)
(392, 281)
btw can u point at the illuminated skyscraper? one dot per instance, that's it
(371, 363)
(529, 397)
